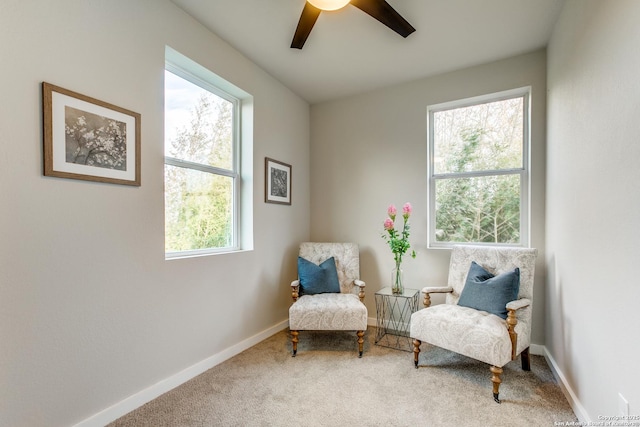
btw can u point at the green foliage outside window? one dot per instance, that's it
(198, 202)
(478, 152)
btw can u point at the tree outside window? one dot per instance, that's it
(200, 166)
(478, 170)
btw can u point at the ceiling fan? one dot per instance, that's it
(378, 9)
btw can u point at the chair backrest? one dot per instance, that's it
(347, 256)
(496, 260)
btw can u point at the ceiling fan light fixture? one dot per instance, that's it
(329, 4)
(379, 10)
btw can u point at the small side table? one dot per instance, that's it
(393, 317)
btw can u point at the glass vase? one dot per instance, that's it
(397, 281)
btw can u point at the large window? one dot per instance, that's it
(202, 180)
(478, 170)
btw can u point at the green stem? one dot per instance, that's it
(397, 286)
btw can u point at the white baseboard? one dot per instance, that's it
(537, 349)
(573, 400)
(135, 401)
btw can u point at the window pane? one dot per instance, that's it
(198, 210)
(198, 124)
(482, 209)
(480, 137)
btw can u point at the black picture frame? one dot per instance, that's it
(277, 182)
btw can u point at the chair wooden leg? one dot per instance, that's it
(416, 351)
(360, 343)
(495, 378)
(525, 359)
(294, 342)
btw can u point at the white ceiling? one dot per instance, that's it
(349, 52)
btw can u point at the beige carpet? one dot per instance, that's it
(327, 385)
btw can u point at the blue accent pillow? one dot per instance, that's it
(318, 279)
(486, 292)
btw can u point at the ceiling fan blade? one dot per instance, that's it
(383, 12)
(308, 18)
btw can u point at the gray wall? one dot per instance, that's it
(90, 311)
(88, 303)
(370, 150)
(593, 203)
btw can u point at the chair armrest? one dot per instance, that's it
(512, 321)
(518, 304)
(433, 290)
(295, 285)
(437, 289)
(361, 285)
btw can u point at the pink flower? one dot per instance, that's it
(391, 210)
(398, 240)
(406, 210)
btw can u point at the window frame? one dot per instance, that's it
(234, 173)
(524, 171)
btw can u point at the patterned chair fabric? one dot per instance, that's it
(342, 311)
(328, 312)
(473, 333)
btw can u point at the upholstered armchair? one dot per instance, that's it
(487, 309)
(324, 297)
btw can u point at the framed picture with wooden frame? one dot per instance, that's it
(277, 182)
(88, 139)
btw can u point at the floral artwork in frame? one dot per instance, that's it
(88, 139)
(277, 177)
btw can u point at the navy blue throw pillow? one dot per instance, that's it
(486, 292)
(318, 279)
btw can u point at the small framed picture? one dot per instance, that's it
(88, 139)
(277, 182)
